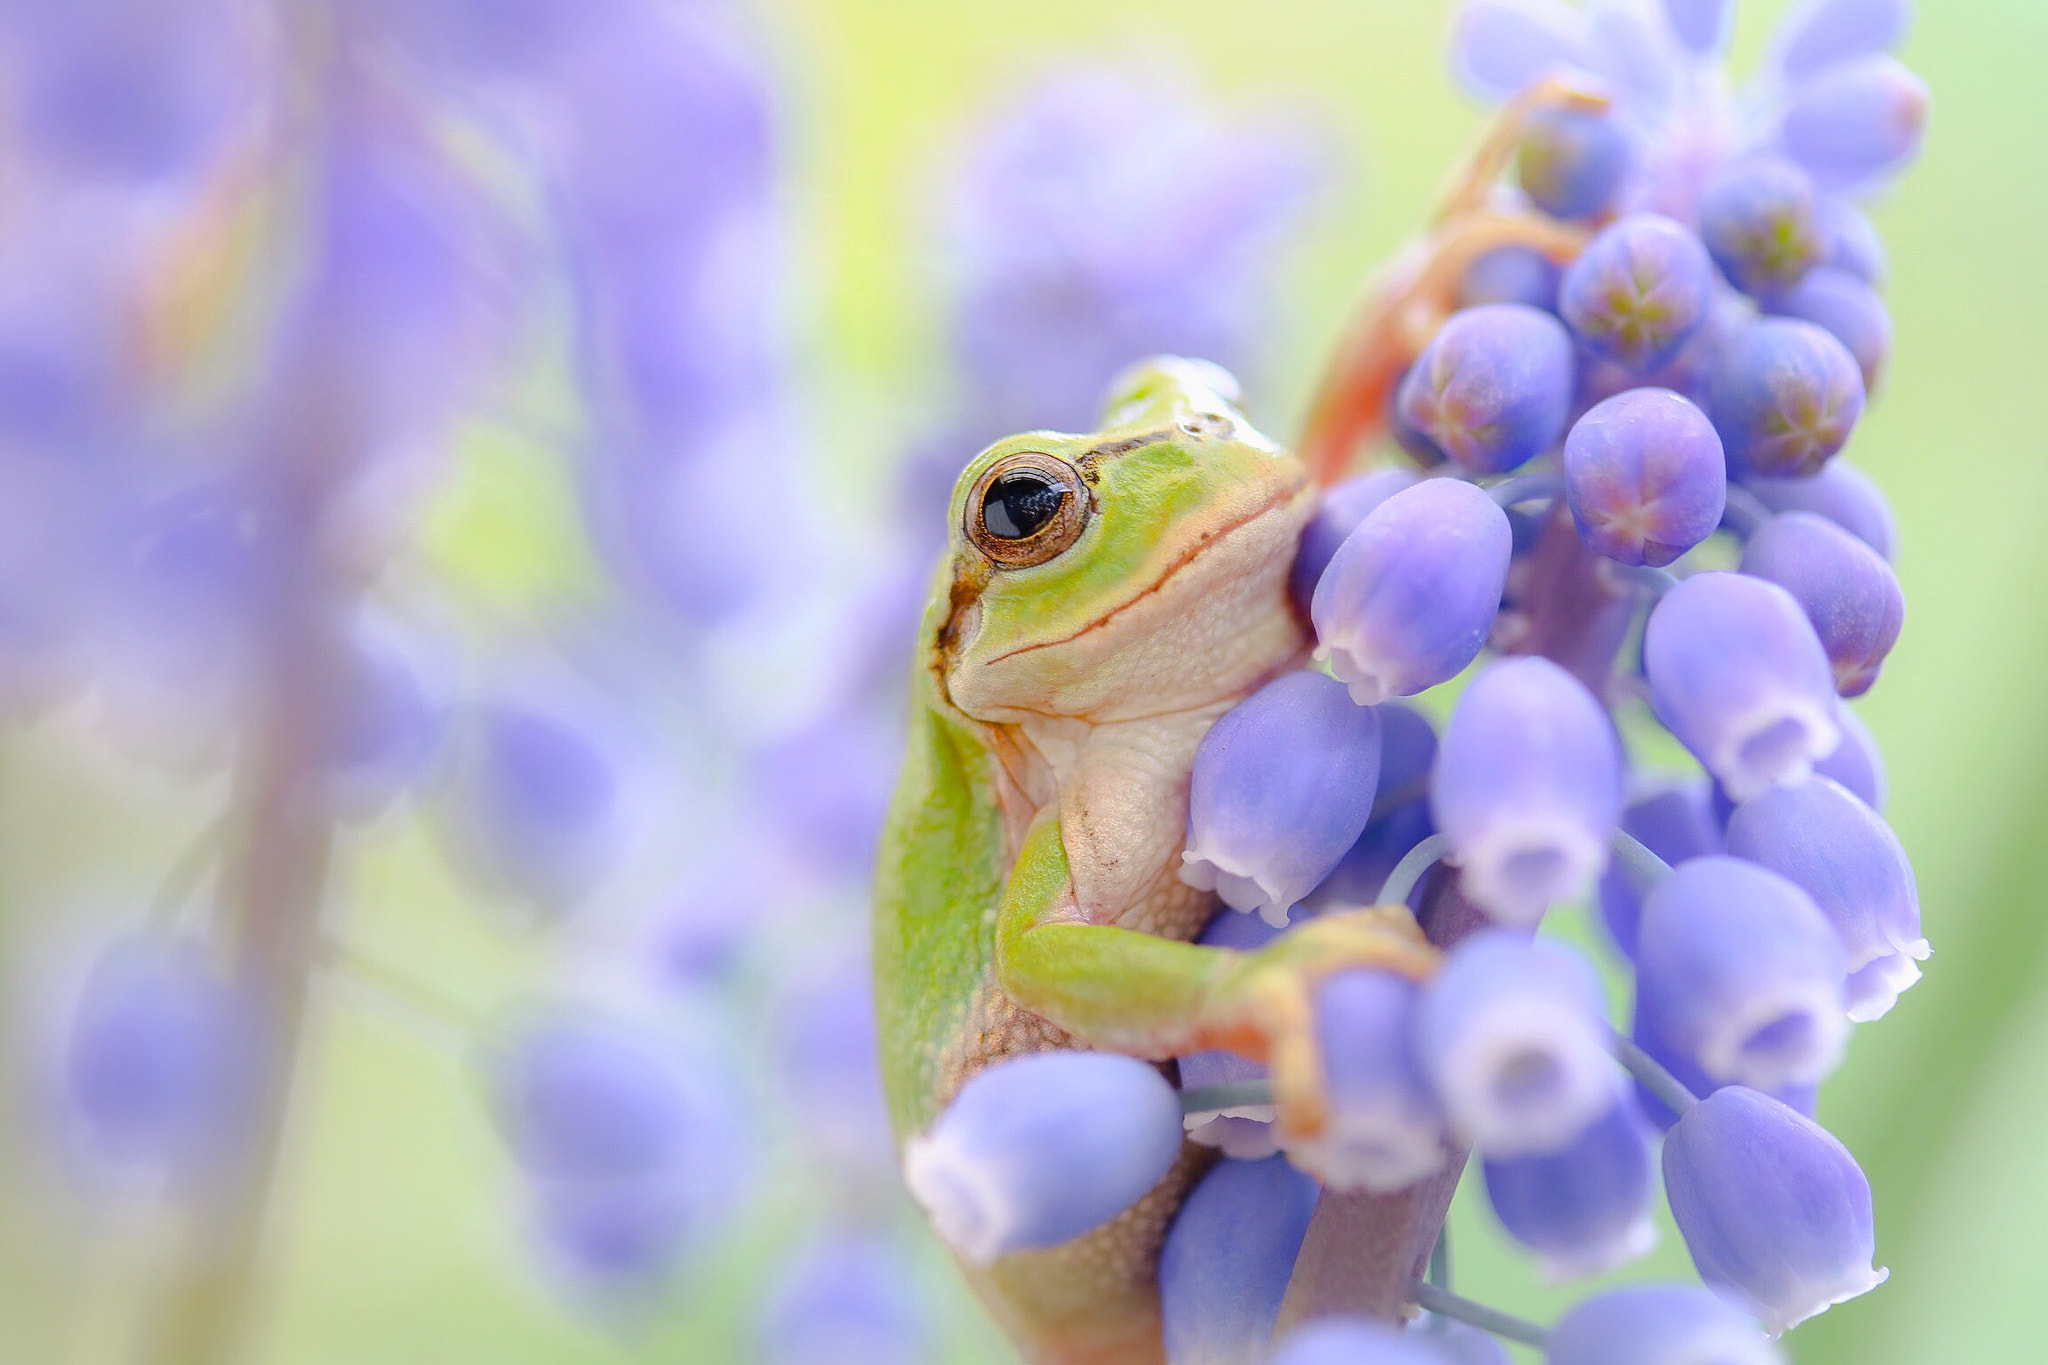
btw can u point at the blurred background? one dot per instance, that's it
(467, 475)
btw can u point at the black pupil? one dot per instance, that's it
(1018, 504)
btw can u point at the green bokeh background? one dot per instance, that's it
(399, 1244)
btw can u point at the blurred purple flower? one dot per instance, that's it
(846, 1297)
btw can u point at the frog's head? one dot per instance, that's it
(1135, 571)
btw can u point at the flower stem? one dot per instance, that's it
(1208, 1099)
(1445, 1304)
(1418, 860)
(1526, 488)
(1669, 1090)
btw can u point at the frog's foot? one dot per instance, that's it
(1405, 307)
(1265, 1009)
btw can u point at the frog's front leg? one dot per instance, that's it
(1125, 990)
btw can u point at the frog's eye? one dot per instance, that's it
(1026, 509)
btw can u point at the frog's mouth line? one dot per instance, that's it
(1186, 558)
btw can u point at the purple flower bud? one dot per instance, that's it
(1225, 1264)
(1856, 762)
(1639, 291)
(536, 806)
(1584, 1210)
(1343, 507)
(1037, 1150)
(1357, 879)
(1385, 1132)
(1501, 46)
(1511, 1036)
(1571, 164)
(1844, 495)
(1737, 967)
(1774, 1210)
(1511, 274)
(848, 1298)
(1848, 592)
(1738, 675)
(1283, 785)
(1856, 122)
(385, 726)
(157, 1064)
(1245, 1131)
(1645, 477)
(1527, 788)
(1656, 1324)
(1460, 1343)
(1785, 398)
(1761, 223)
(1842, 854)
(1357, 1341)
(1821, 33)
(1852, 313)
(828, 1059)
(1410, 595)
(1675, 823)
(1493, 389)
(1853, 243)
(1702, 25)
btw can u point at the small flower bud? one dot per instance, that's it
(1511, 1037)
(1848, 592)
(1385, 1132)
(1037, 1150)
(846, 1296)
(1657, 1324)
(1511, 274)
(1856, 122)
(1702, 25)
(1638, 291)
(1785, 397)
(1856, 762)
(1842, 854)
(1527, 788)
(1493, 389)
(1738, 675)
(1738, 968)
(1410, 595)
(1645, 477)
(1675, 823)
(1844, 495)
(1343, 507)
(1852, 312)
(1244, 1131)
(1283, 785)
(1226, 1261)
(1761, 223)
(1584, 1210)
(1853, 243)
(1774, 1210)
(1571, 164)
(1823, 32)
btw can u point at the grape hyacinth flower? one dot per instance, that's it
(1527, 788)
(1493, 389)
(1760, 221)
(1853, 244)
(1657, 1324)
(1342, 507)
(1738, 675)
(1737, 968)
(1851, 310)
(1357, 1341)
(1676, 822)
(1584, 1209)
(1842, 854)
(1036, 1150)
(1856, 762)
(847, 1297)
(157, 1064)
(1384, 1131)
(1401, 818)
(1844, 495)
(1282, 787)
(1774, 1210)
(1848, 592)
(1645, 477)
(1639, 291)
(1855, 123)
(1571, 164)
(1785, 398)
(1821, 33)
(1410, 595)
(1511, 1037)
(1511, 274)
(1240, 1131)
(1226, 1261)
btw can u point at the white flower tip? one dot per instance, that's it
(1275, 914)
(1517, 875)
(1528, 1081)
(1240, 891)
(955, 1192)
(1792, 1037)
(1774, 747)
(1235, 1133)
(1858, 1281)
(1367, 686)
(1636, 1241)
(1380, 1153)
(1875, 988)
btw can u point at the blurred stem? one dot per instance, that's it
(1445, 1304)
(1414, 863)
(1650, 1073)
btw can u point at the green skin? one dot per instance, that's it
(1028, 894)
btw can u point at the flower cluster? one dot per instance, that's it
(1629, 512)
